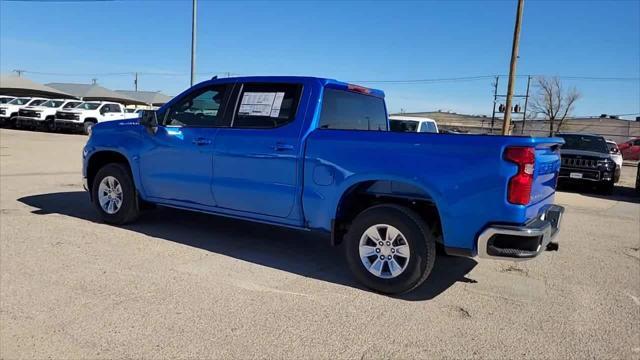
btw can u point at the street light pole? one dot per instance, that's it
(193, 41)
(506, 125)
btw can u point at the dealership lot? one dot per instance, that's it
(179, 284)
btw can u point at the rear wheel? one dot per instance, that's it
(390, 249)
(114, 194)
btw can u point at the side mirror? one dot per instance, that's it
(149, 119)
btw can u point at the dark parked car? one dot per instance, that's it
(586, 159)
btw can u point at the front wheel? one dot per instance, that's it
(114, 194)
(88, 126)
(390, 249)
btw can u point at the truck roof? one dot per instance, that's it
(325, 81)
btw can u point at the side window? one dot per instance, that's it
(116, 108)
(104, 109)
(428, 127)
(266, 106)
(202, 108)
(636, 142)
(346, 110)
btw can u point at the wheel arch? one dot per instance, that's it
(364, 193)
(99, 159)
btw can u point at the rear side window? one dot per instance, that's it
(346, 110)
(265, 106)
(403, 125)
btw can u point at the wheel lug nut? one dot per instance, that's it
(393, 251)
(389, 257)
(378, 250)
(381, 243)
(381, 257)
(388, 243)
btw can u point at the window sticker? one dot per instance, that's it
(261, 104)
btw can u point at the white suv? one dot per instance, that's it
(9, 111)
(44, 114)
(89, 113)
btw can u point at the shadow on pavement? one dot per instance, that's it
(620, 193)
(298, 252)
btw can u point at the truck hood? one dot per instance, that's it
(583, 153)
(37, 108)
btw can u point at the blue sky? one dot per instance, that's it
(348, 40)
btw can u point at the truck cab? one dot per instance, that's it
(317, 155)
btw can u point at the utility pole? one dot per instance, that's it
(506, 125)
(495, 99)
(526, 100)
(135, 82)
(94, 81)
(19, 72)
(193, 41)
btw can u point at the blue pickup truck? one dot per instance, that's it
(316, 155)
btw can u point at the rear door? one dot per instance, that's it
(178, 161)
(256, 160)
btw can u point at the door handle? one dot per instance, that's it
(282, 147)
(201, 141)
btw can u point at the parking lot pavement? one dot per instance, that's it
(178, 284)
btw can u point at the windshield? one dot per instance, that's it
(584, 143)
(5, 100)
(403, 125)
(19, 101)
(88, 106)
(52, 103)
(36, 102)
(71, 104)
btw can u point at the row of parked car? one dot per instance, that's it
(60, 114)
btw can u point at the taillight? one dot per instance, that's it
(519, 191)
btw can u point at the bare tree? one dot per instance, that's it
(553, 101)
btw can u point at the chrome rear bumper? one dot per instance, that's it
(517, 243)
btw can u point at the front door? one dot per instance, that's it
(256, 160)
(177, 162)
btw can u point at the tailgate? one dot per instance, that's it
(546, 170)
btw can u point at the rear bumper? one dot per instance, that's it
(508, 242)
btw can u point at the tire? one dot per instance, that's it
(128, 209)
(50, 125)
(606, 188)
(88, 125)
(414, 233)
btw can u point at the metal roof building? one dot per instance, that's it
(89, 92)
(154, 98)
(20, 86)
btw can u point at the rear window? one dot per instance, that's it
(346, 110)
(266, 105)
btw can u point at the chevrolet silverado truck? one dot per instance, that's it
(84, 116)
(316, 155)
(9, 111)
(43, 115)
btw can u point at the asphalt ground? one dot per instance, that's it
(184, 285)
